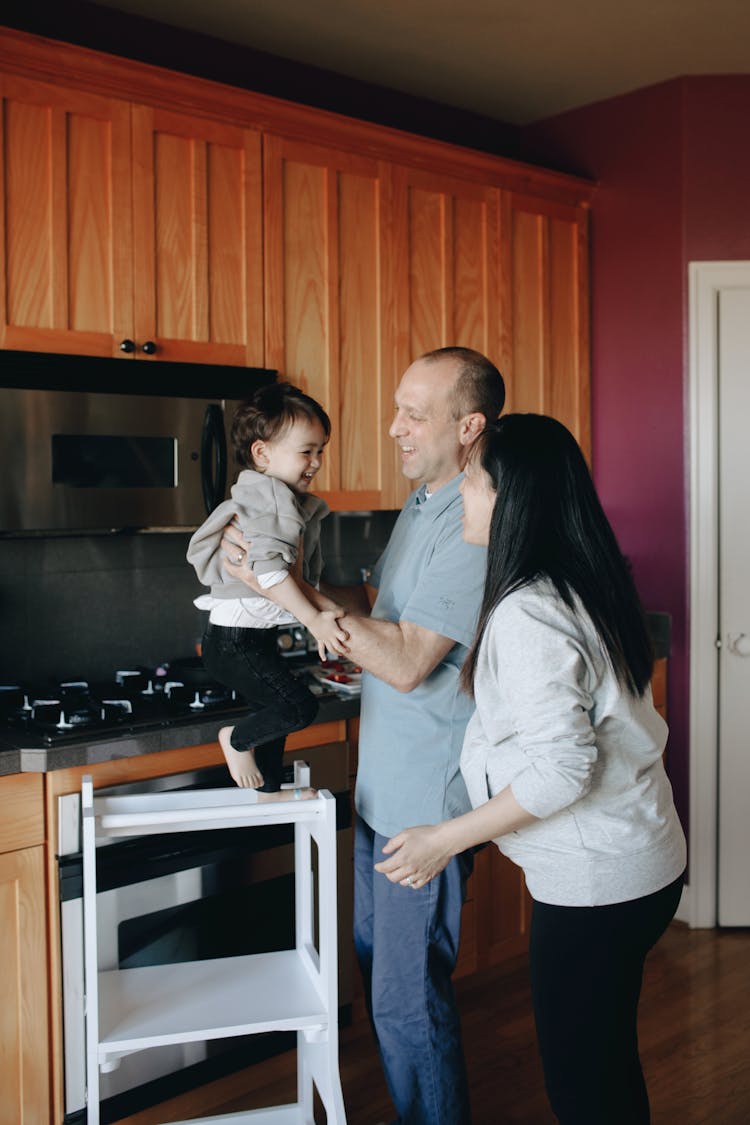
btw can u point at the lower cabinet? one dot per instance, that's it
(24, 990)
(496, 914)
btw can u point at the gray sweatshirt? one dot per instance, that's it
(578, 751)
(272, 519)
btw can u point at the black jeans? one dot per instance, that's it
(248, 661)
(586, 970)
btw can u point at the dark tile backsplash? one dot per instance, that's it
(87, 605)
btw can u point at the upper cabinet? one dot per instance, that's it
(197, 252)
(151, 215)
(130, 231)
(324, 306)
(67, 271)
(447, 277)
(549, 360)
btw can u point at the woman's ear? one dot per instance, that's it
(258, 455)
(472, 426)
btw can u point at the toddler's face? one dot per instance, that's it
(294, 456)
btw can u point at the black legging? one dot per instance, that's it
(586, 970)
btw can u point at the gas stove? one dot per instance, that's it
(132, 699)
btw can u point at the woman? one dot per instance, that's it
(562, 760)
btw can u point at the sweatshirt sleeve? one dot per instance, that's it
(272, 526)
(542, 672)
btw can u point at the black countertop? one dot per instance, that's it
(17, 758)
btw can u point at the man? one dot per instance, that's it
(412, 723)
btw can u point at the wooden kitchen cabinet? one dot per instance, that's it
(224, 226)
(67, 267)
(325, 243)
(549, 368)
(129, 226)
(196, 239)
(449, 273)
(24, 990)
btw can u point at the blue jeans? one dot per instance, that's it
(248, 661)
(407, 942)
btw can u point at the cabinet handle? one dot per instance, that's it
(127, 346)
(149, 347)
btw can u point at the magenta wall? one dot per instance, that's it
(633, 147)
(717, 168)
(673, 167)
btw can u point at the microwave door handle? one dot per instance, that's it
(213, 457)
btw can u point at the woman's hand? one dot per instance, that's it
(417, 855)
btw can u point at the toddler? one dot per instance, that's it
(278, 436)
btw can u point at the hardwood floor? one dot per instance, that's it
(694, 1033)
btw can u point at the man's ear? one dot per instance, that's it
(472, 426)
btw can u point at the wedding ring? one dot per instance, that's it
(239, 558)
(408, 880)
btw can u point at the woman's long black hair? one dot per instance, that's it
(548, 522)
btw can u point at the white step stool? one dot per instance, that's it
(295, 989)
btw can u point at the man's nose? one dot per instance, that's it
(397, 425)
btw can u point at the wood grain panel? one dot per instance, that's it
(324, 238)
(89, 225)
(176, 180)
(197, 241)
(361, 411)
(472, 278)
(21, 811)
(550, 313)
(427, 271)
(24, 1059)
(225, 219)
(527, 381)
(28, 192)
(561, 377)
(67, 272)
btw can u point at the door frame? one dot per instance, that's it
(706, 279)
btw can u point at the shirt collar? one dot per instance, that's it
(438, 501)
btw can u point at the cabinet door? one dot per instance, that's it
(323, 306)
(66, 248)
(503, 907)
(197, 239)
(448, 276)
(550, 364)
(24, 1059)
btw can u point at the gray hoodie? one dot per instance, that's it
(578, 751)
(271, 519)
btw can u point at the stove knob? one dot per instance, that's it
(62, 723)
(285, 641)
(197, 704)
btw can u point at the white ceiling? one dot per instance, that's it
(515, 60)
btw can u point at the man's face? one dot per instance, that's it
(427, 436)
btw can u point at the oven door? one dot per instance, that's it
(183, 897)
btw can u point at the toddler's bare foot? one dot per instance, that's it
(289, 795)
(241, 763)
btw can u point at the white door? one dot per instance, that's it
(734, 607)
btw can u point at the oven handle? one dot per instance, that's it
(213, 457)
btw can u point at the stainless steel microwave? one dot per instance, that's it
(80, 461)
